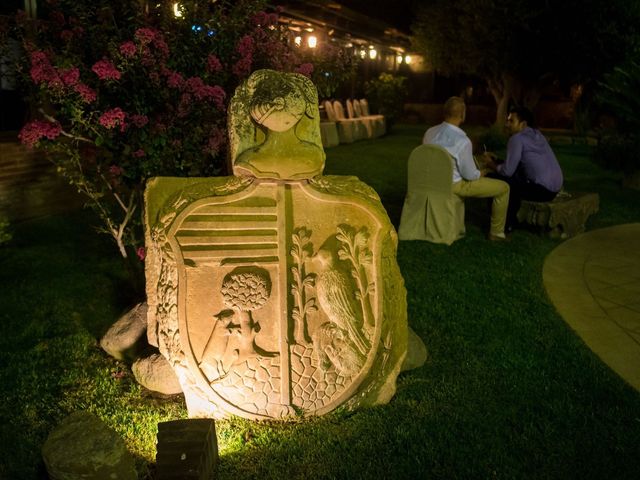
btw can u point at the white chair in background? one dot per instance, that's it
(431, 210)
(356, 126)
(329, 128)
(379, 122)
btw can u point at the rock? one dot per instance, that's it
(155, 373)
(83, 447)
(123, 339)
(416, 352)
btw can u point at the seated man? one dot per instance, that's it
(531, 169)
(468, 181)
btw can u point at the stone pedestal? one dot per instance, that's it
(564, 217)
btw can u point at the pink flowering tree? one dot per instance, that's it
(123, 90)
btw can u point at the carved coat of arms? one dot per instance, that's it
(274, 297)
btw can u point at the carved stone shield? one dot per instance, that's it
(275, 298)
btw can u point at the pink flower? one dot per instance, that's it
(86, 93)
(112, 118)
(184, 107)
(145, 35)
(116, 170)
(213, 64)
(141, 253)
(305, 69)
(242, 68)
(139, 120)
(42, 71)
(106, 70)
(201, 91)
(128, 49)
(66, 35)
(58, 18)
(32, 132)
(70, 76)
(175, 80)
(264, 19)
(216, 141)
(139, 153)
(245, 46)
(161, 46)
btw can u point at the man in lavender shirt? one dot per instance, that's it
(531, 169)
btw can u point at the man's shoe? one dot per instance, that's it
(497, 238)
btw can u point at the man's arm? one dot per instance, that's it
(466, 165)
(514, 155)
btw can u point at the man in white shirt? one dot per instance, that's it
(468, 181)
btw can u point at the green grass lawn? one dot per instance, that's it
(508, 391)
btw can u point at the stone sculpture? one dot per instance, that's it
(275, 292)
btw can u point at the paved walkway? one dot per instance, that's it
(594, 282)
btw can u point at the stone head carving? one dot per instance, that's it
(274, 127)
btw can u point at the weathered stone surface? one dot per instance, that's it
(82, 447)
(155, 373)
(274, 296)
(416, 352)
(274, 127)
(124, 337)
(564, 217)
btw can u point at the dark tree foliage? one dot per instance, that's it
(519, 46)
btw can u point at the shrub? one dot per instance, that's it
(5, 233)
(126, 94)
(386, 95)
(619, 149)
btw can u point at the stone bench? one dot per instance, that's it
(564, 217)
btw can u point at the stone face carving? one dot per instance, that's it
(274, 296)
(272, 113)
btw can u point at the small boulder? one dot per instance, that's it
(123, 339)
(416, 352)
(83, 447)
(155, 373)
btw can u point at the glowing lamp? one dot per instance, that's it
(312, 41)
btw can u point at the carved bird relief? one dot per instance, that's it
(336, 297)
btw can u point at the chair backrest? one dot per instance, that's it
(350, 111)
(331, 114)
(339, 111)
(430, 168)
(365, 107)
(357, 108)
